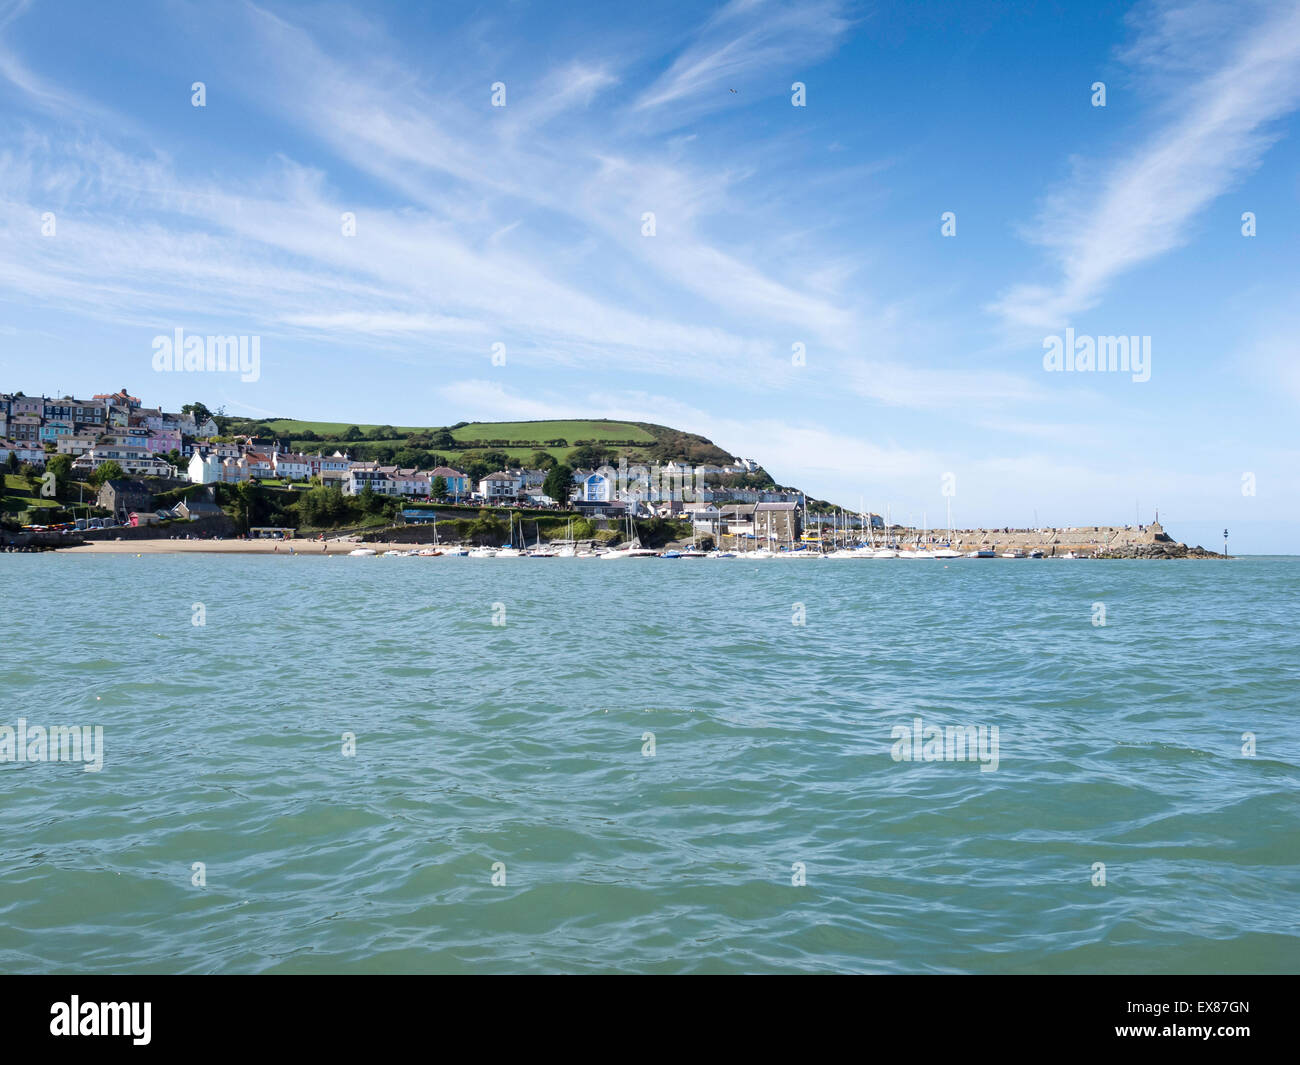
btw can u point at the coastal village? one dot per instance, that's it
(168, 474)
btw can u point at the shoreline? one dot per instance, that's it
(167, 546)
(223, 547)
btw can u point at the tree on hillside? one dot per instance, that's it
(352, 432)
(250, 505)
(593, 455)
(559, 483)
(106, 471)
(307, 434)
(373, 502)
(438, 487)
(324, 507)
(61, 467)
(542, 460)
(199, 410)
(413, 458)
(12, 463)
(476, 468)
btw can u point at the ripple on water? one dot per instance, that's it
(523, 745)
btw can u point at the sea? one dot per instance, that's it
(452, 765)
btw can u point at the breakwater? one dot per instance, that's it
(1099, 541)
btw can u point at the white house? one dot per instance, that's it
(499, 485)
(76, 444)
(330, 468)
(408, 482)
(703, 515)
(204, 467)
(359, 477)
(290, 467)
(529, 478)
(135, 460)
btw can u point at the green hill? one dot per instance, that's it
(563, 439)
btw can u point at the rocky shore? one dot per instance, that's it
(1161, 550)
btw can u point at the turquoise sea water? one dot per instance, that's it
(523, 744)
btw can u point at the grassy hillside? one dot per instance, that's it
(541, 431)
(635, 441)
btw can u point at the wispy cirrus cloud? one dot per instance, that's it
(493, 235)
(752, 46)
(1214, 123)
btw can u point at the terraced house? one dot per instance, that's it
(291, 467)
(359, 478)
(457, 482)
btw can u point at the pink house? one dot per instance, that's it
(161, 441)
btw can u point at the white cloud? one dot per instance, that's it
(1214, 129)
(739, 48)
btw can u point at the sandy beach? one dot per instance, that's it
(228, 547)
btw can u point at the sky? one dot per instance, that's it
(729, 219)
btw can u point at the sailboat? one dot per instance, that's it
(435, 550)
(538, 550)
(692, 551)
(887, 549)
(920, 550)
(841, 549)
(510, 551)
(947, 551)
(632, 549)
(567, 547)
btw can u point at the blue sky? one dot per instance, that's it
(775, 225)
